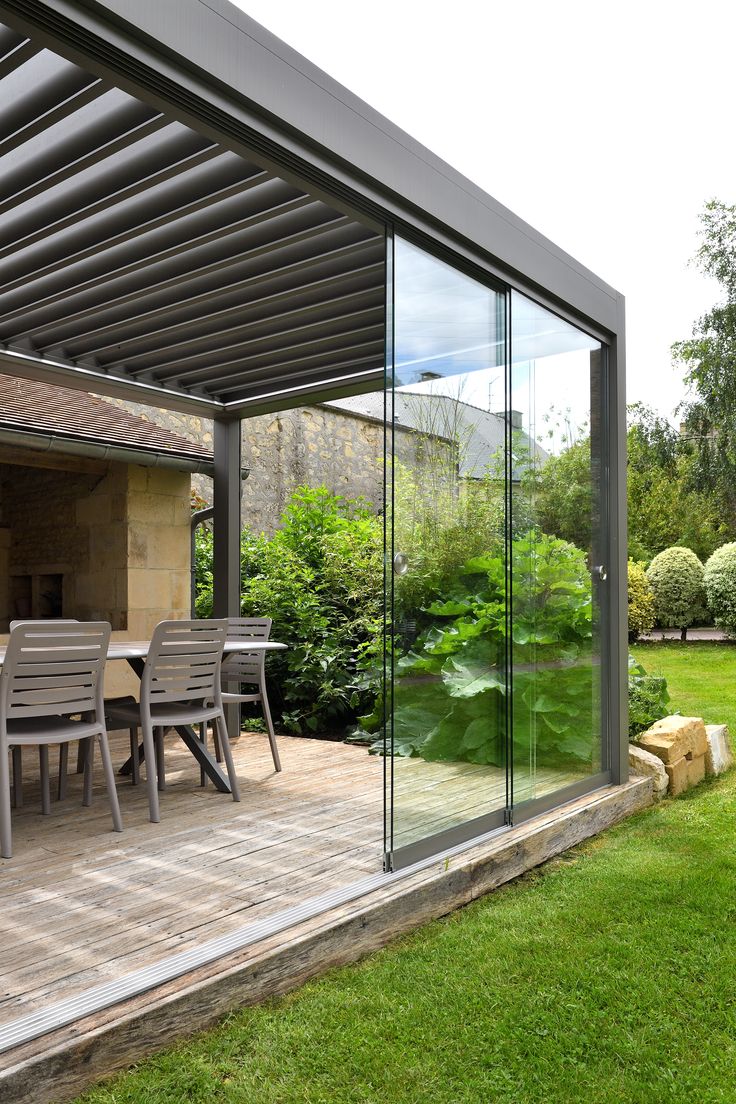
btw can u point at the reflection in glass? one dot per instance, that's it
(556, 522)
(448, 444)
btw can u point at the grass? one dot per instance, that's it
(700, 676)
(609, 975)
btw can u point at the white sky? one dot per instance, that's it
(605, 126)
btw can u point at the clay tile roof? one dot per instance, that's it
(31, 407)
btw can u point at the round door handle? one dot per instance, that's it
(601, 572)
(400, 563)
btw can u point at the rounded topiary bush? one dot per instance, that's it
(641, 602)
(719, 579)
(676, 579)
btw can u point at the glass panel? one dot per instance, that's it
(557, 425)
(447, 430)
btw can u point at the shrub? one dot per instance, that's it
(719, 579)
(454, 680)
(648, 698)
(320, 578)
(676, 579)
(641, 602)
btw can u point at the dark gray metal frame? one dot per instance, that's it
(219, 73)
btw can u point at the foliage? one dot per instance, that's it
(320, 578)
(719, 579)
(665, 505)
(451, 691)
(648, 698)
(641, 602)
(560, 491)
(676, 579)
(438, 525)
(709, 357)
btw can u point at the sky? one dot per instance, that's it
(605, 126)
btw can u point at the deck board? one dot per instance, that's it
(80, 905)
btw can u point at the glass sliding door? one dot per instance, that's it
(557, 570)
(446, 742)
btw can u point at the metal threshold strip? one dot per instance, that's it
(26, 1028)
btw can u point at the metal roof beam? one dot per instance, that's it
(275, 371)
(142, 186)
(351, 377)
(92, 90)
(190, 306)
(111, 146)
(140, 231)
(16, 56)
(318, 315)
(216, 322)
(64, 299)
(65, 374)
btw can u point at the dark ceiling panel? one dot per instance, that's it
(136, 248)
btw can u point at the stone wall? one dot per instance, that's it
(312, 445)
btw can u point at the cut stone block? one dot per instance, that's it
(644, 763)
(685, 773)
(677, 775)
(718, 756)
(671, 738)
(695, 771)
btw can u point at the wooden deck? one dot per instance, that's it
(80, 905)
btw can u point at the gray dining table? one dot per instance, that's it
(135, 652)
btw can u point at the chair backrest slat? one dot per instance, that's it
(184, 661)
(246, 666)
(54, 668)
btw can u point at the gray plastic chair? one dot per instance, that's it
(53, 674)
(63, 750)
(249, 669)
(180, 685)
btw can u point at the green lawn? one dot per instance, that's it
(608, 975)
(701, 677)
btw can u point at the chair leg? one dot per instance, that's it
(89, 763)
(63, 766)
(135, 759)
(203, 742)
(269, 727)
(43, 756)
(217, 744)
(112, 793)
(160, 767)
(18, 777)
(149, 754)
(228, 755)
(6, 839)
(81, 756)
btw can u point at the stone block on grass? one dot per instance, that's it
(644, 763)
(718, 755)
(673, 738)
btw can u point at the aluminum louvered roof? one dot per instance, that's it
(134, 248)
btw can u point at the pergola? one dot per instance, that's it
(196, 217)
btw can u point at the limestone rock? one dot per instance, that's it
(684, 773)
(673, 738)
(718, 755)
(677, 775)
(643, 762)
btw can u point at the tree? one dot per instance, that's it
(666, 506)
(709, 359)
